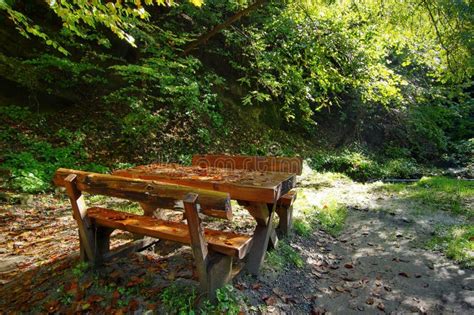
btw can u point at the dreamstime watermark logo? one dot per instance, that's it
(271, 161)
(274, 149)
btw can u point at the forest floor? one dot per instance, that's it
(383, 258)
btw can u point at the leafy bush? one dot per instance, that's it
(354, 163)
(401, 168)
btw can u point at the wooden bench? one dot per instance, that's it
(213, 250)
(262, 164)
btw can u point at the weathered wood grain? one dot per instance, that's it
(79, 212)
(240, 184)
(227, 243)
(153, 193)
(198, 240)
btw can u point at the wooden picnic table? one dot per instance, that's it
(259, 192)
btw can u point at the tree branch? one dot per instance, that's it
(216, 29)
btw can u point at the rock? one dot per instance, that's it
(406, 220)
(468, 297)
(381, 306)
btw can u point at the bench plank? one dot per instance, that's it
(154, 193)
(227, 243)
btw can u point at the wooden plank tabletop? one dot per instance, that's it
(242, 185)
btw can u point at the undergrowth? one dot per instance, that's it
(181, 299)
(284, 255)
(457, 242)
(311, 212)
(437, 193)
(360, 165)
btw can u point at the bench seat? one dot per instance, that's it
(227, 243)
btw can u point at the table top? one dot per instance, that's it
(242, 185)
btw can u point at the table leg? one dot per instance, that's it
(148, 209)
(264, 217)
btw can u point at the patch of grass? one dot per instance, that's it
(128, 206)
(79, 270)
(332, 216)
(284, 255)
(322, 179)
(457, 242)
(179, 299)
(120, 205)
(227, 302)
(302, 227)
(311, 211)
(437, 193)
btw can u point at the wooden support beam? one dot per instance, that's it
(260, 238)
(79, 211)
(198, 242)
(219, 273)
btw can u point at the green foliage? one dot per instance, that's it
(354, 163)
(284, 255)
(15, 113)
(79, 270)
(178, 299)
(439, 193)
(227, 302)
(456, 242)
(82, 18)
(33, 161)
(302, 227)
(362, 166)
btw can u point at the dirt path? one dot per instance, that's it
(375, 265)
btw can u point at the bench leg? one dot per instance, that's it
(101, 244)
(219, 273)
(198, 242)
(286, 219)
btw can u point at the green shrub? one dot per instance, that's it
(15, 113)
(401, 168)
(354, 163)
